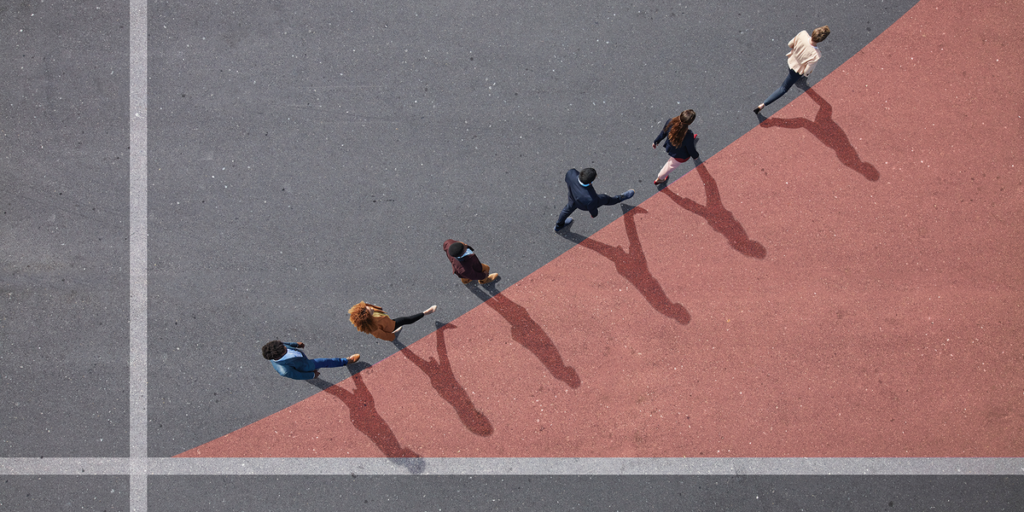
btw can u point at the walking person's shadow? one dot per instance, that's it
(366, 419)
(632, 265)
(720, 219)
(528, 333)
(828, 132)
(442, 378)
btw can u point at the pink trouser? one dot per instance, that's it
(667, 168)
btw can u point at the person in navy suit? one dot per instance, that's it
(582, 196)
(291, 363)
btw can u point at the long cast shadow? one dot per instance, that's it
(829, 133)
(366, 419)
(442, 378)
(528, 333)
(720, 219)
(633, 266)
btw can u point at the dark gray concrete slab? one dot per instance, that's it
(563, 493)
(307, 156)
(64, 228)
(64, 493)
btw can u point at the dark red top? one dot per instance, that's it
(467, 267)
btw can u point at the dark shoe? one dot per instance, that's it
(758, 109)
(568, 221)
(629, 193)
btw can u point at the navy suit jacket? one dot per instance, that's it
(582, 197)
(294, 364)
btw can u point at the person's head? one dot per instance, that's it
(679, 126)
(361, 317)
(274, 350)
(820, 34)
(588, 175)
(455, 250)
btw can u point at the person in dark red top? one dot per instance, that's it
(465, 264)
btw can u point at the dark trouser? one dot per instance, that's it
(406, 320)
(603, 200)
(791, 79)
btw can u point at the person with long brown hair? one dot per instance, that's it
(680, 143)
(373, 320)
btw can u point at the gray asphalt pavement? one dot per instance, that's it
(304, 156)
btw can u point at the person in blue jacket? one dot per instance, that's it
(582, 196)
(291, 363)
(680, 143)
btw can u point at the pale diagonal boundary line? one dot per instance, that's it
(138, 412)
(311, 466)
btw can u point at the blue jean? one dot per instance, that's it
(791, 79)
(329, 362)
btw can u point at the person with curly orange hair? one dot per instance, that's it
(373, 320)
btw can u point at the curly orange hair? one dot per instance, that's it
(361, 318)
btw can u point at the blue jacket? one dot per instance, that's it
(583, 197)
(294, 364)
(687, 150)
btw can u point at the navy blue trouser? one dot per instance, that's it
(329, 362)
(791, 79)
(604, 200)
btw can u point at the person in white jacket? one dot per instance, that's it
(803, 55)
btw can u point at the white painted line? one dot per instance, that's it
(789, 466)
(65, 466)
(588, 466)
(138, 256)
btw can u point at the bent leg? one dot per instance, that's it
(406, 320)
(669, 167)
(607, 200)
(569, 208)
(330, 362)
(487, 270)
(791, 79)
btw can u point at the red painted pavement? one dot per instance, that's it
(843, 281)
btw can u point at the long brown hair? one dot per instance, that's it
(679, 125)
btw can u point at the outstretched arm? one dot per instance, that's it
(662, 135)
